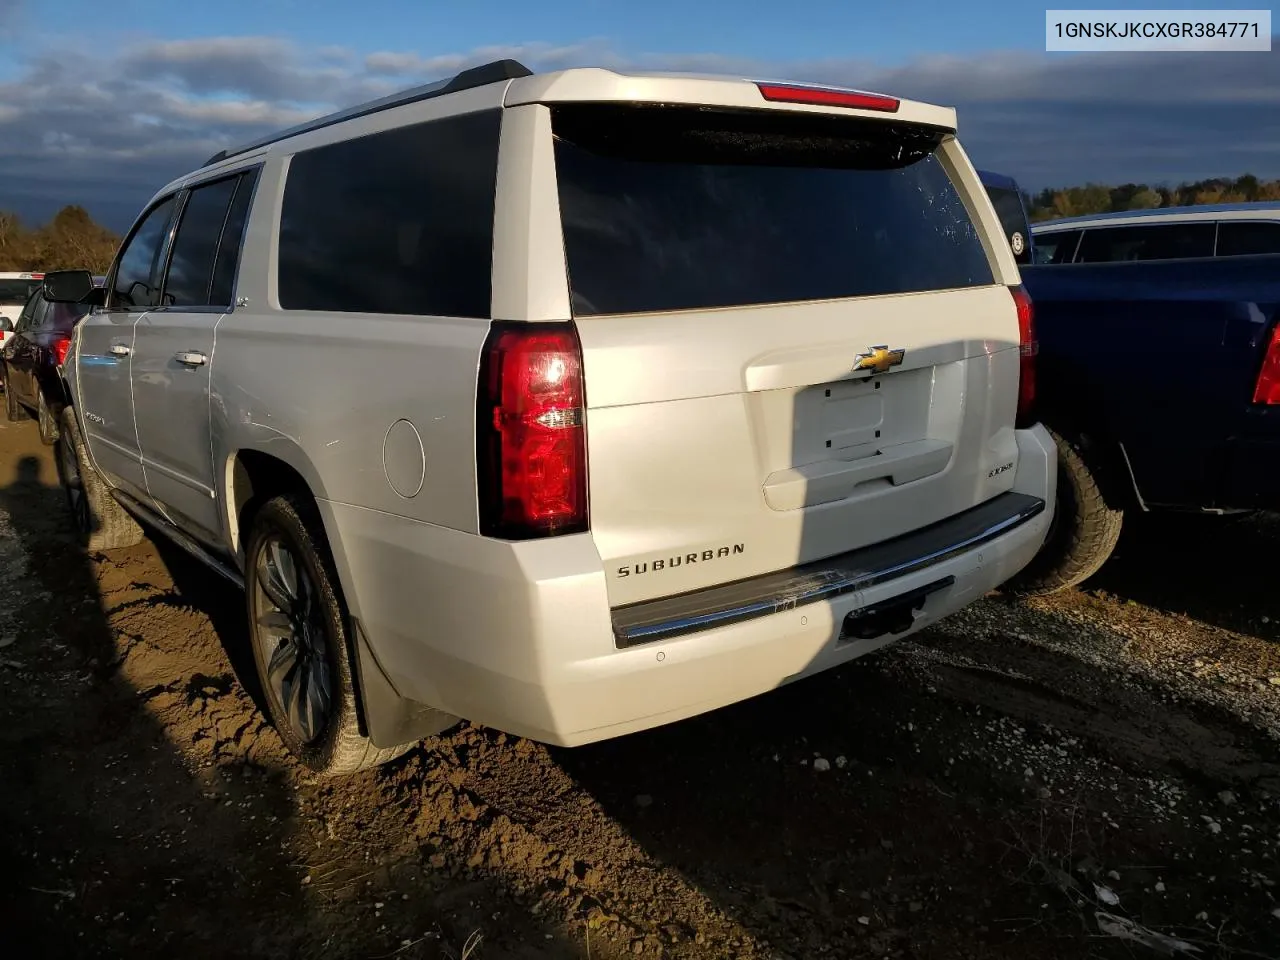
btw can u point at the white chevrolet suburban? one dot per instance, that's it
(571, 404)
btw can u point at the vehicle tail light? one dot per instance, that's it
(1028, 348)
(828, 97)
(531, 440)
(60, 347)
(1267, 388)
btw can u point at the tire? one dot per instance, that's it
(46, 421)
(301, 648)
(14, 411)
(1085, 527)
(100, 521)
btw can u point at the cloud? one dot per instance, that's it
(113, 130)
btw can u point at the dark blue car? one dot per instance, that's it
(1160, 380)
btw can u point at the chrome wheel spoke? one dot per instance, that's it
(291, 631)
(294, 702)
(276, 623)
(270, 582)
(281, 665)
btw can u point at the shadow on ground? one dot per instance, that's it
(146, 808)
(1219, 570)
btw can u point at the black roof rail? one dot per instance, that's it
(480, 76)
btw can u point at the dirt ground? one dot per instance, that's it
(1095, 775)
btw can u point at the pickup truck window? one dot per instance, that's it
(1057, 247)
(1243, 238)
(196, 243)
(138, 272)
(1163, 241)
(674, 208)
(395, 222)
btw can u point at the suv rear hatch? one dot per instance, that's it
(794, 338)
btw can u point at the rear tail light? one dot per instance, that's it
(531, 432)
(1267, 388)
(828, 97)
(60, 347)
(1028, 348)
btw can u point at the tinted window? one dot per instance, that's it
(674, 208)
(1056, 247)
(14, 292)
(196, 243)
(27, 318)
(1241, 238)
(224, 268)
(1014, 220)
(395, 222)
(1165, 241)
(137, 279)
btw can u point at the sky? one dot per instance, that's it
(101, 105)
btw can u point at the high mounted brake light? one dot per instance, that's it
(1266, 389)
(1028, 348)
(828, 97)
(531, 432)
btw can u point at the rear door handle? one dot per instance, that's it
(120, 350)
(191, 358)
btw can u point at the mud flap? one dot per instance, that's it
(386, 718)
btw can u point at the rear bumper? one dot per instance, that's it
(1251, 475)
(520, 636)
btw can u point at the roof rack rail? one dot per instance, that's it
(480, 76)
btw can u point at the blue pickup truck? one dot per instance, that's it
(1161, 382)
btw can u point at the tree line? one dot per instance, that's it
(1098, 198)
(71, 240)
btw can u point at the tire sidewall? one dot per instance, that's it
(281, 517)
(44, 418)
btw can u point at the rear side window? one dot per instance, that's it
(673, 208)
(1243, 238)
(139, 269)
(196, 243)
(395, 222)
(1164, 241)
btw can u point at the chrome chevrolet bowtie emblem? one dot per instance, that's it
(878, 359)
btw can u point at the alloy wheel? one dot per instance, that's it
(291, 633)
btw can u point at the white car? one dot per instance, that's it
(571, 404)
(15, 290)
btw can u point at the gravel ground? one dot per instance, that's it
(1092, 775)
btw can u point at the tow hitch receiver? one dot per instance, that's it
(895, 615)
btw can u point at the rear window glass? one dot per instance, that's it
(15, 293)
(1243, 238)
(1165, 241)
(675, 208)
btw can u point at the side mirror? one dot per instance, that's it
(6, 325)
(68, 286)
